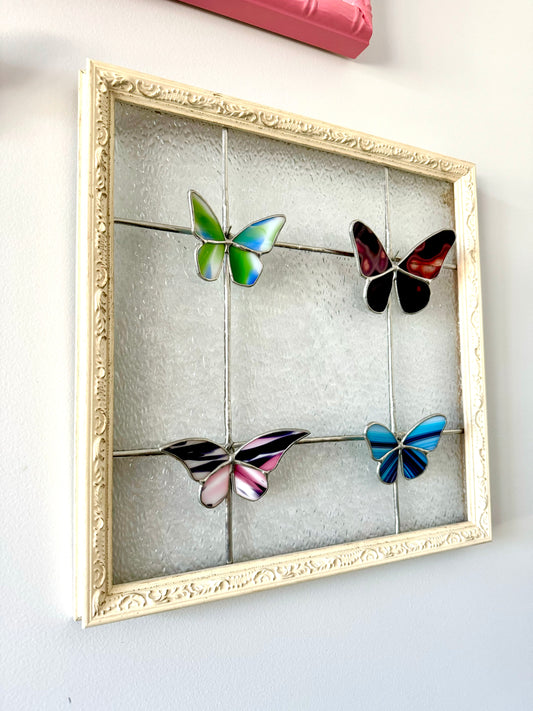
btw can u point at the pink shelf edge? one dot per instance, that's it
(340, 26)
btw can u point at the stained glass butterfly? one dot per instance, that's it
(409, 454)
(245, 248)
(246, 471)
(412, 275)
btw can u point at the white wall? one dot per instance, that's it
(449, 631)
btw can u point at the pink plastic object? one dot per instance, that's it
(340, 26)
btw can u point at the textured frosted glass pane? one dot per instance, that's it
(306, 352)
(437, 496)
(418, 207)
(425, 345)
(158, 158)
(320, 495)
(159, 526)
(426, 358)
(169, 342)
(320, 193)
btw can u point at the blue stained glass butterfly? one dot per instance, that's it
(244, 249)
(408, 454)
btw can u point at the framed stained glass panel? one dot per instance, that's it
(280, 357)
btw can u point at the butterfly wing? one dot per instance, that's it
(200, 456)
(414, 463)
(245, 266)
(260, 236)
(423, 438)
(250, 483)
(374, 264)
(215, 488)
(380, 440)
(413, 294)
(209, 259)
(427, 258)
(260, 456)
(388, 467)
(265, 451)
(421, 265)
(426, 434)
(209, 255)
(204, 223)
(384, 449)
(377, 292)
(371, 254)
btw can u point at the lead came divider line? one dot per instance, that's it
(307, 440)
(227, 345)
(230, 445)
(390, 359)
(161, 227)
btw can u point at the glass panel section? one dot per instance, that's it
(158, 158)
(320, 193)
(437, 496)
(159, 526)
(426, 360)
(319, 495)
(419, 207)
(306, 351)
(169, 342)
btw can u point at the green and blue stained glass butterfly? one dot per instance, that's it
(244, 250)
(409, 454)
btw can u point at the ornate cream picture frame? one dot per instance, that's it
(98, 599)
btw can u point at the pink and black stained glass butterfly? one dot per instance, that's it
(412, 275)
(245, 472)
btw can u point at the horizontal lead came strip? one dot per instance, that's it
(321, 250)
(160, 227)
(307, 440)
(137, 453)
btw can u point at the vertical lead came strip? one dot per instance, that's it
(227, 329)
(389, 352)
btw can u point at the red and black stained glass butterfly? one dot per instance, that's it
(246, 471)
(412, 275)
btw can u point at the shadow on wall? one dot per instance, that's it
(379, 50)
(38, 70)
(25, 59)
(503, 338)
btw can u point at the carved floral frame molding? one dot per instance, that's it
(97, 599)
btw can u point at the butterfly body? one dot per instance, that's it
(243, 251)
(408, 454)
(218, 469)
(411, 276)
